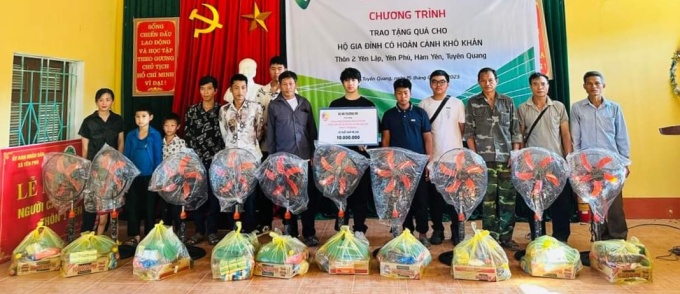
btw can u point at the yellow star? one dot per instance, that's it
(258, 18)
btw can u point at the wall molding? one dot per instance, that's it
(652, 208)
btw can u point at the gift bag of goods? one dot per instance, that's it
(480, 258)
(38, 252)
(344, 254)
(404, 257)
(621, 261)
(233, 258)
(283, 257)
(89, 254)
(550, 258)
(160, 254)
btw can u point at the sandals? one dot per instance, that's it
(213, 239)
(132, 242)
(195, 239)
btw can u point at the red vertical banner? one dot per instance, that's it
(22, 200)
(154, 56)
(544, 54)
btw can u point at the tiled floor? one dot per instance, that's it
(436, 280)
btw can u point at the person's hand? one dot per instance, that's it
(509, 162)
(627, 172)
(362, 148)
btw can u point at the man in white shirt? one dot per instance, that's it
(447, 134)
(241, 124)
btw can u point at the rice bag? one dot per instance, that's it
(160, 254)
(344, 253)
(480, 257)
(89, 253)
(233, 258)
(38, 252)
(550, 258)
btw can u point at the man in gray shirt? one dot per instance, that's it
(551, 132)
(492, 130)
(291, 128)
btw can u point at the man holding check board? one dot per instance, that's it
(358, 201)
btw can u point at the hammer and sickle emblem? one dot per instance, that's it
(214, 22)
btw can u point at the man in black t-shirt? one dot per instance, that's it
(358, 201)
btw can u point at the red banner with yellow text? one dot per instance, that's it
(156, 41)
(22, 202)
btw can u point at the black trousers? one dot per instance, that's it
(418, 209)
(89, 221)
(263, 206)
(206, 215)
(438, 207)
(171, 215)
(358, 203)
(615, 227)
(561, 211)
(140, 202)
(308, 216)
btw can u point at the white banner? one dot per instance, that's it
(388, 39)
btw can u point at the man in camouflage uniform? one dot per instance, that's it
(492, 130)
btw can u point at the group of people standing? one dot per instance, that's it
(278, 119)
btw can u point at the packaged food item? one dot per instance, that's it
(160, 254)
(89, 254)
(480, 258)
(550, 258)
(283, 257)
(233, 258)
(621, 261)
(404, 257)
(344, 253)
(38, 252)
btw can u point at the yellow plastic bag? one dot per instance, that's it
(405, 249)
(550, 258)
(621, 261)
(160, 254)
(233, 258)
(38, 252)
(89, 253)
(344, 254)
(479, 252)
(283, 257)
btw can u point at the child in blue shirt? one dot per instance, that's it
(144, 147)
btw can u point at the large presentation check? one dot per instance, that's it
(348, 126)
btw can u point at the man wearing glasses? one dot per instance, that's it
(447, 118)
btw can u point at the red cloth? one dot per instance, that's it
(218, 53)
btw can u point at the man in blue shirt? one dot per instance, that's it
(408, 126)
(598, 123)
